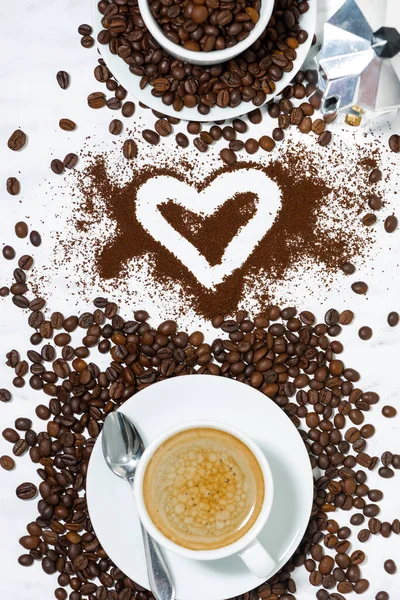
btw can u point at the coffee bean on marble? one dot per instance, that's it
(389, 411)
(348, 268)
(386, 472)
(382, 596)
(375, 176)
(35, 238)
(390, 566)
(7, 463)
(115, 127)
(57, 166)
(67, 124)
(182, 140)
(391, 224)
(63, 79)
(128, 109)
(130, 149)
(70, 161)
(324, 139)
(26, 491)
(393, 319)
(8, 252)
(359, 287)
(394, 143)
(266, 143)
(96, 100)
(17, 140)
(228, 156)
(365, 333)
(13, 186)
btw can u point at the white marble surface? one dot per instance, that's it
(38, 38)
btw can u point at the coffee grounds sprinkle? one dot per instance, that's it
(317, 227)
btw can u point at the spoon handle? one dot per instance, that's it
(158, 571)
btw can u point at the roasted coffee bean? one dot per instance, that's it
(63, 79)
(348, 268)
(182, 140)
(130, 149)
(386, 472)
(116, 127)
(382, 596)
(391, 224)
(365, 333)
(57, 166)
(35, 238)
(394, 145)
(5, 395)
(13, 186)
(228, 156)
(7, 463)
(374, 202)
(128, 109)
(389, 412)
(266, 143)
(162, 127)
(85, 29)
(368, 220)
(324, 139)
(26, 491)
(25, 262)
(251, 146)
(359, 287)
(87, 41)
(393, 319)
(8, 252)
(390, 566)
(17, 140)
(151, 137)
(23, 424)
(375, 176)
(96, 100)
(67, 125)
(70, 161)
(21, 229)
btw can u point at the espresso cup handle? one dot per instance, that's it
(257, 559)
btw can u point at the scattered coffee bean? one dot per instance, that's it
(8, 252)
(182, 140)
(325, 138)
(228, 156)
(17, 140)
(63, 79)
(57, 166)
(382, 596)
(85, 29)
(87, 41)
(128, 109)
(375, 176)
(391, 224)
(21, 229)
(70, 161)
(390, 566)
(393, 319)
(348, 268)
(394, 143)
(346, 317)
(96, 100)
(374, 202)
(266, 143)
(5, 395)
(35, 238)
(26, 491)
(67, 125)
(359, 287)
(389, 412)
(368, 220)
(150, 136)
(365, 333)
(116, 127)
(13, 186)
(7, 463)
(130, 149)
(163, 128)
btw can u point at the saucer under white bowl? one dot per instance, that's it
(131, 83)
(187, 398)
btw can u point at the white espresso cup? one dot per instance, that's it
(248, 547)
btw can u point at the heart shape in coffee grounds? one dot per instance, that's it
(220, 227)
(205, 202)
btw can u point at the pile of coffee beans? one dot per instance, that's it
(252, 76)
(288, 357)
(208, 25)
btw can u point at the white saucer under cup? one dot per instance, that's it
(166, 404)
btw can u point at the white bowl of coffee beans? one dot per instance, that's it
(206, 32)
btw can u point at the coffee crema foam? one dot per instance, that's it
(203, 489)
